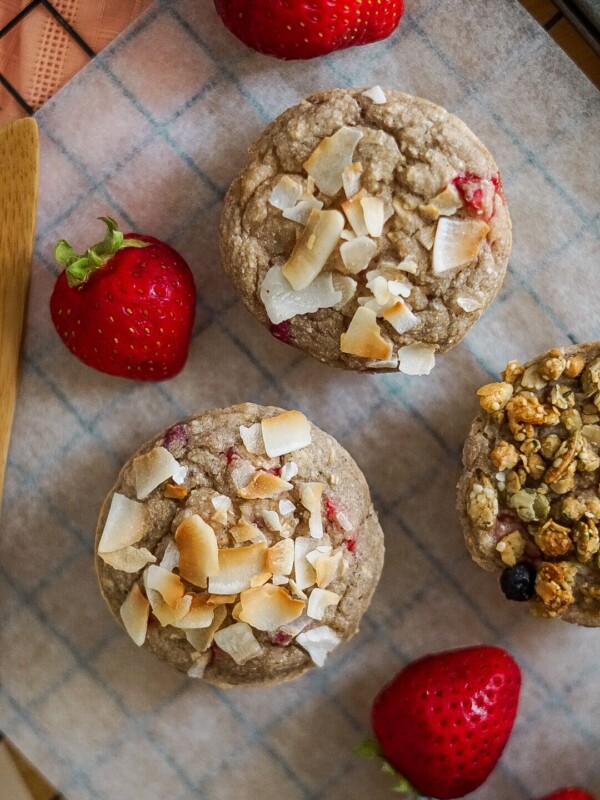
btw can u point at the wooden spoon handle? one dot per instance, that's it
(19, 157)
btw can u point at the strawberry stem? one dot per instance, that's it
(78, 267)
(371, 748)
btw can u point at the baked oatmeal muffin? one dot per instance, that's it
(528, 498)
(240, 546)
(368, 229)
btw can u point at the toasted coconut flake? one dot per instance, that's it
(376, 95)
(304, 573)
(347, 235)
(285, 433)
(245, 531)
(296, 590)
(152, 469)
(399, 288)
(468, 304)
(200, 615)
(222, 506)
(310, 497)
(409, 265)
(318, 643)
(279, 580)
(170, 558)
(319, 552)
(264, 486)
(280, 557)
(268, 607)
(327, 162)
(286, 507)
(238, 641)
(199, 665)
(252, 438)
(202, 638)
(457, 243)
(417, 359)
(198, 551)
(128, 559)
(289, 470)
(351, 178)
(319, 601)
(167, 615)
(373, 213)
(358, 253)
(301, 211)
(400, 317)
(173, 492)
(272, 521)
(313, 248)
(236, 611)
(241, 474)
(282, 302)
(347, 286)
(327, 568)
(166, 583)
(390, 363)
(237, 567)
(378, 284)
(134, 613)
(445, 204)
(353, 210)
(125, 524)
(220, 599)
(363, 337)
(260, 579)
(286, 193)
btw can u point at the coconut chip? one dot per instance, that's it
(166, 583)
(358, 253)
(200, 661)
(317, 242)
(343, 521)
(363, 337)
(457, 243)
(279, 580)
(241, 474)
(252, 438)
(400, 317)
(202, 638)
(318, 643)
(445, 204)
(327, 162)
(373, 213)
(310, 497)
(134, 613)
(237, 567)
(286, 507)
(286, 193)
(426, 236)
(245, 531)
(301, 211)
(282, 302)
(347, 286)
(264, 486)
(173, 492)
(272, 521)
(125, 524)
(296, 590)
(409, 265)
(285, 433)
(223, 506)
(417, 359)
(327, 568)
(376, 95)
(239, 642)
(304, 573)
(319, 601)
(260, 579)
(170, 558)
(198, 551)
(280, 557)
(351, 178)
(353, 210)
(200, 614)
(268, 607)
(152, 469)
(128, 559)
(317, 553)
(347, 235)
(289, 470)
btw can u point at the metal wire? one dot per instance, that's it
(61, 21)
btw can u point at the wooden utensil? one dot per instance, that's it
(19, 161)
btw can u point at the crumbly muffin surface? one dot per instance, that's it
(530, 490)
(430, 260)
(303, 522)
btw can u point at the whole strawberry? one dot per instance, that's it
(299, 29)
(569, 793)
(444, 720)
(126, 306)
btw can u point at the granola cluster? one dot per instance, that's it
(541, 495)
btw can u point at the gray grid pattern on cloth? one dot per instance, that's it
(176, 102)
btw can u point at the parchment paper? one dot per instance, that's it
(152, 132)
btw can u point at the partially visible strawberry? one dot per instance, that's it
(126, 306)
(478, 193)
(568, 793)
(444, 720)
(299, 29)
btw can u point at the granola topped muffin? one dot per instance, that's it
(240, 545)
(368, 229)
(529, 497)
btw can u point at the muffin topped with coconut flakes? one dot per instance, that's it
(240, 545)
(369, 229)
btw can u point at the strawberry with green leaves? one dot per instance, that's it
(126, 306)
(300, 29)
(442, 723)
